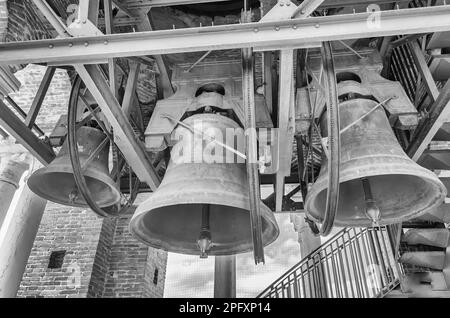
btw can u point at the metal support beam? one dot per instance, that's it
(88, 10)
(54, 20)
(109, 26)
(285, 124)
(295, 33)
(164, 77)
(325, 4)
(40, 96)
(248, 97)
(225, 276)
(439, 113)
(16, 128)
(22, 114)
(424, 70)
(306, 8)
(129, 145)
(130, 88)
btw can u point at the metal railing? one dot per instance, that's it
(355, 263)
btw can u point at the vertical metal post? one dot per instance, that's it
(225, 276)
(251, 143)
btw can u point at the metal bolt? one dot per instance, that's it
(277, 28)
(51, 46)
(294, 27)
(255, 30)
(302, 11)
(317, 25)
(281, 4)
(70, 44)
(106, 42)
(86, 43)
(288, 4)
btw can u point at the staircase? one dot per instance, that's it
(355, 263)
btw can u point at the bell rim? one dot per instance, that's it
(89, 173)
(159, 244)
(424, 173)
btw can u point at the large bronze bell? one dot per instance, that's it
(201, 207)
(379, 183)
(56, 181)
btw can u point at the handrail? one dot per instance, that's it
(357, 263)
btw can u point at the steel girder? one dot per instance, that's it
(295, 33)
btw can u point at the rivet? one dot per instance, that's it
(294, 27)
(255, 30)
(288, 4)
(51, 46)
(302, 11)
(277, 28)
(70, 44)
(317, 25)
(86, 43)
(281, 4)
(106, 42)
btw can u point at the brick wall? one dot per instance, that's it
(56, 100)
(132, 265)
(75, 231)
(101, 258)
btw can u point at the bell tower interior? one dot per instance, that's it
(220, 131)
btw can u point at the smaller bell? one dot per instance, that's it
(56, 181)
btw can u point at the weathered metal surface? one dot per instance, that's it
(401, 189)
(431, 237)
(362, 79)
(171, 218)
(227, 74)
(293, 33)
(56, 181)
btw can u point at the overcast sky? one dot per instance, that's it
(190, 276)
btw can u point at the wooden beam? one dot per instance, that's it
(40, 96)
(125, 138)
(248, 101)
(439, 113)
(109, 26)
(268, 61)
(16, 128)
(130, 89)
(424, 70)
(285, 124)
(146, 25)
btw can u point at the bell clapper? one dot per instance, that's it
(371, 210)
(204, 240)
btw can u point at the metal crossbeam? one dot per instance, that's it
(164, 77)
(293, 33)
(326, 4)
(130, 146)
(40, 96)
(16, 128)
(439, 113)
